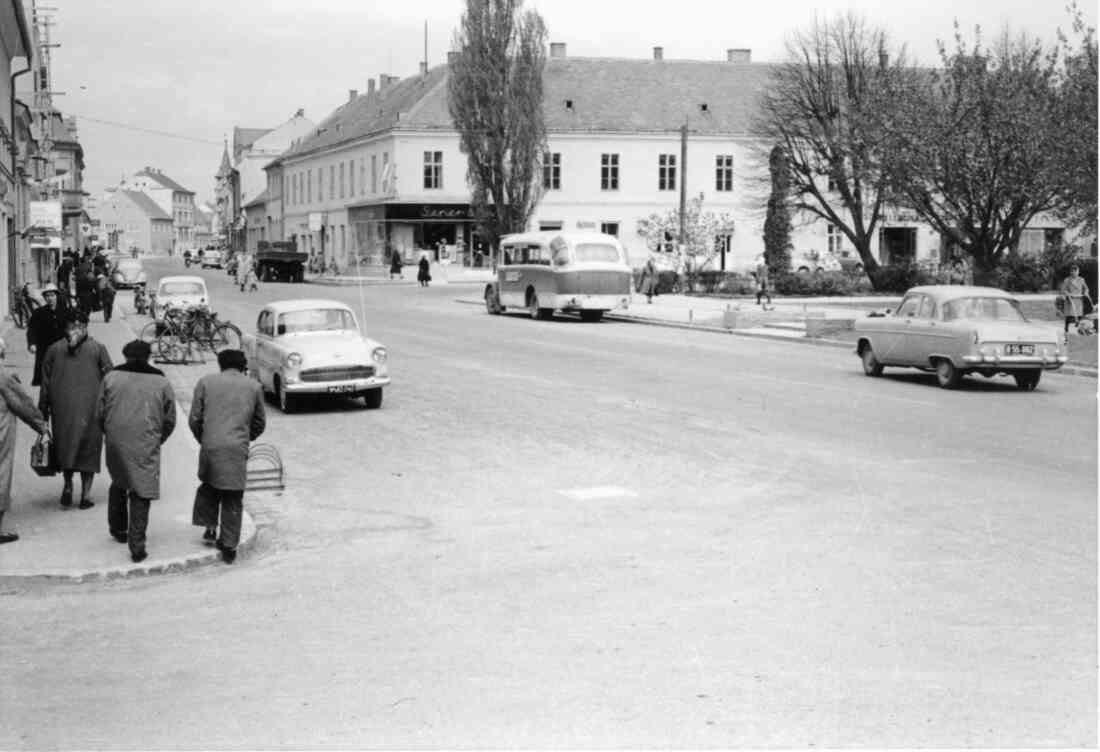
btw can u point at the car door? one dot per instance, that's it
(263, 352)
(920, 341)
(894, 343)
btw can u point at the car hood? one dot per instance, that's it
(1004, 331)
(322, 349)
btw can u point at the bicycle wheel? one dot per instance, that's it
(226, 337)
(149, 332)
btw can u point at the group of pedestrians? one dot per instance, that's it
(84, 282)
(85, 403)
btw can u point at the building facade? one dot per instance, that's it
(132, 220)
(16, 49)
(172, 198)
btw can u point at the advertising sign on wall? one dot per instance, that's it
(45, 224)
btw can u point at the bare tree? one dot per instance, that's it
(973, 143)
(1077, 152)
(495, 99)
(823, 109)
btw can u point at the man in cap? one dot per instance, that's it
(227, 413)
(47, 325)
(15, 405)
(137, 412)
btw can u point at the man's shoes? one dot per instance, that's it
(229, 555)
(138, 556)
(210, 536)
(67, 498)
(85, 504)
(121, 537)
(8, 537)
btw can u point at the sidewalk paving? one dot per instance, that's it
(74, 545)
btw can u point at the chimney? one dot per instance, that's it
(738, 55)
(352, 94)
(423, 68)
(370, 87)
(557, 49)
(658, 53)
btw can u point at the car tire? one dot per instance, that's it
(871, 366)
(372, 398)
(1028, 380)
(592, 316)
(947, 376)
(288, 403)
(535, 312)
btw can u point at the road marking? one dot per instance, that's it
(598, 492)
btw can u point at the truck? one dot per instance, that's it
(280, 260)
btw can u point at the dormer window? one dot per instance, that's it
(569, 104)
(703, 107)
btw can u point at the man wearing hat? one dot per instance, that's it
(47, 325)
(137, 412)
(15, 405)
(227, 412)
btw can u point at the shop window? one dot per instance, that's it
(723, 172)
(433, 170)
(666, 172)
(609, 172)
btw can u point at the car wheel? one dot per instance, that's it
(591, 315)
(1028, 380)
(287, 402)
(372, 398)
(947, 376)
(871, 366)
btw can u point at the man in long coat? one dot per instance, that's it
(71, 373)
(15, 405)
(137, 413)
(47, 325)
(227, 413)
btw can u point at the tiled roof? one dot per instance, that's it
(607, 95)
(166, 181)
(146, 204)
(245, 137)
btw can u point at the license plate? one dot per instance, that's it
(1019, 349)
(341, 389)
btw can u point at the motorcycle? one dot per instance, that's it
(187, 258)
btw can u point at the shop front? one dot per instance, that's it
(443, 232)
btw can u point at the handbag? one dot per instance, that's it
(43, 456)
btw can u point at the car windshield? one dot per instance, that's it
(595, 252)
(180, 288)
(316, 320)
(983, 309)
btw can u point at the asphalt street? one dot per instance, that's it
(565, 534)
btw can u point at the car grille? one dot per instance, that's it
(336, 373)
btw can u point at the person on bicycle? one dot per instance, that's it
(46, 326)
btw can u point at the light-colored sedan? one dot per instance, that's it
(954, 330)
(179, 291)
(311, 347)
(127, 273)
(211, 260)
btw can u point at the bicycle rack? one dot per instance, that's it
(265, 469)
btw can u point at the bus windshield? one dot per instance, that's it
(586, 252)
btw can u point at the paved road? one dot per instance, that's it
(596, 535)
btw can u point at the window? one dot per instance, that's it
(609, 172)
(909, 306)
(549, 226)
(830, 185)
(362, 176)
(320, 183)
(723, 172)
(835, 238)
(551, 171)
(983, 309)
(666, 172)
(331, 182)
(433, 169)
(927, 308)
(596, 252)
(374, 173)
(309, 186)
(341, 180)
(610, 228)
(669, 244)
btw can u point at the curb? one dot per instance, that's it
(1068, 370)
(355, 282)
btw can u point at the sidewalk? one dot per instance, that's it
(74, 545)
(442, 274)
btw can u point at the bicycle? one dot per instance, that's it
(21, 305)
(184, 330)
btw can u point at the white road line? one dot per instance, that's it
(598, 492)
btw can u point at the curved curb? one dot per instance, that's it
(1068, 370)
(146, 568)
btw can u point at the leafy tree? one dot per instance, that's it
(822, 108)
(972, 143)
(1075, 167)
(777, 223)
(701, 231)
(495, 99)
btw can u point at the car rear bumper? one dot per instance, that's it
(578, 302)
(1014, 362)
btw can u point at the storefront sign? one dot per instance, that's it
(315, 221)
(450, 212)
(45, 224)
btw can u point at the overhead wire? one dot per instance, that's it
(153, 131)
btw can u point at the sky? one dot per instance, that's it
(196, 69)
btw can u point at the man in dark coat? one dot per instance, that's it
(85, 287)
(47, 325)
(137, 413)
(227, 413)
(106, 292)
(71, 373)
(15, 405)
(424, 271)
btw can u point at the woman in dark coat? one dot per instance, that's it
(47, 325)
(424, 276)
(395, 264)
(71, 374)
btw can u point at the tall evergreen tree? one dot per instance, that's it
(777, 222)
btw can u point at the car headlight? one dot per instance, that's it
(379, 355)
(293, 360)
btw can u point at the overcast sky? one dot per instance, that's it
(200, 67)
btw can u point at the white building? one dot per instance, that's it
(175, 200)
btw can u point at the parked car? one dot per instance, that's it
(955, 330)
(211, 260)
(127, 273)
(179, 291)
(314, 347)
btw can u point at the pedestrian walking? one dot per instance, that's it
(137, 414)
(85, 288)
(246, 273)
(424, 273)
(46, 326)
(106, 297)
(395, 264)
(647, 283)
(71, 374)
(1075, 291)
(227, 413)
(65, 273)
(15, 405)
(762, 280)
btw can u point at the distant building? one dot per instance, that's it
(132, 220)
(173, 198)
(204, 224)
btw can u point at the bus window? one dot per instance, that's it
(596, 252)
